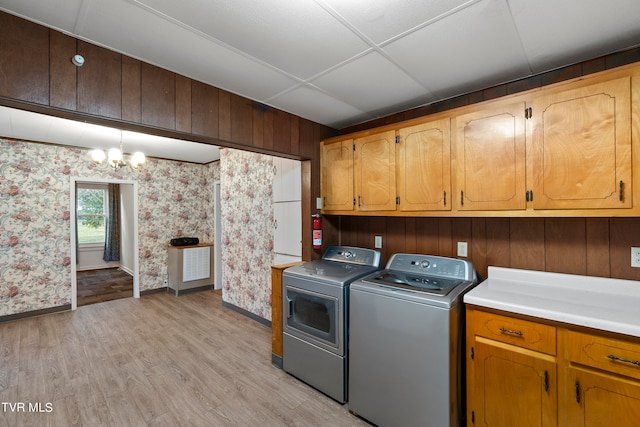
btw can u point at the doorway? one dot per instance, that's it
(128, 263)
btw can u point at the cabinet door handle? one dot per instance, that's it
(461, 198)
(623, 360)
(510, 331)
(358, 201)
(546, 380)
(577, 391)
(621, 187)
(445, 198)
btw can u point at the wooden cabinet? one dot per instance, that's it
(336, 183)
(359, 174)
(575, 140)
(524, 371)
(490, 158)
(581, 139)
(423, 159)
(602, 383)
(511, 371)
(408, 169)
(562, 150)
(375, 172)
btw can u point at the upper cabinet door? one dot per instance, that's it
(336, 183)
(490, 158)
(423, 156)
(375, 166)
(582, 147)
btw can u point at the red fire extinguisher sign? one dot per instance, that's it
(317, 231)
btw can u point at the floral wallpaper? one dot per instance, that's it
(246, 185)
(175, 199)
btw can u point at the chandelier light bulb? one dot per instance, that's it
(137, 159)
(97, 155)
(115, 155)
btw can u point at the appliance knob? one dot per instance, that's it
(348, 254)
(424, 264)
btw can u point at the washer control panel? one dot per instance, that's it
(432, 265)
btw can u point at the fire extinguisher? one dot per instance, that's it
(317, 231)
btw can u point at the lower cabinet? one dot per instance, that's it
(527, 372)
(597, 399)
(513, 388)
(602, 381)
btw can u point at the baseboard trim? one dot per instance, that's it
(276, 360)
(34, 313)
(126, 270)
(249, 314)
(153, 291)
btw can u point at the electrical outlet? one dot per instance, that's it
(462, 249)
(165, 282)
(377, 242)
(635, 257)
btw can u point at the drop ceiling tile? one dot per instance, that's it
(372, 83)
(383, 19)
(128, 28)
(313, 104)
(474, 48)
(60, 14)
(556, 33)
(298, 37)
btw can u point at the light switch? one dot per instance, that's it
(377, 242)
(462, 249)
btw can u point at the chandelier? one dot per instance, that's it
(115, 157)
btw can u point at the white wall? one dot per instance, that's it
(127, 252)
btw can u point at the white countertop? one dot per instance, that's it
(595, 302)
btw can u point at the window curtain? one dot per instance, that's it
(112, 236)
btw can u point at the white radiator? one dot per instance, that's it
(196, 264)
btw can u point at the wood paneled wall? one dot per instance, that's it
(584, 246)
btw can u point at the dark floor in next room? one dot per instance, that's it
(103, 285)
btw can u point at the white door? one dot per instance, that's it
(288, 228)
(287, 211)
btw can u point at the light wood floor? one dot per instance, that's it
(159, 360)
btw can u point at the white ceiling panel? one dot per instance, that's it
(578, 32)
(293, 36)
(373, 83)
(61, 14)
(313, 103)
(474, 48)
(188, 53)
(382, 20)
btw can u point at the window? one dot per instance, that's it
(91, 213)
